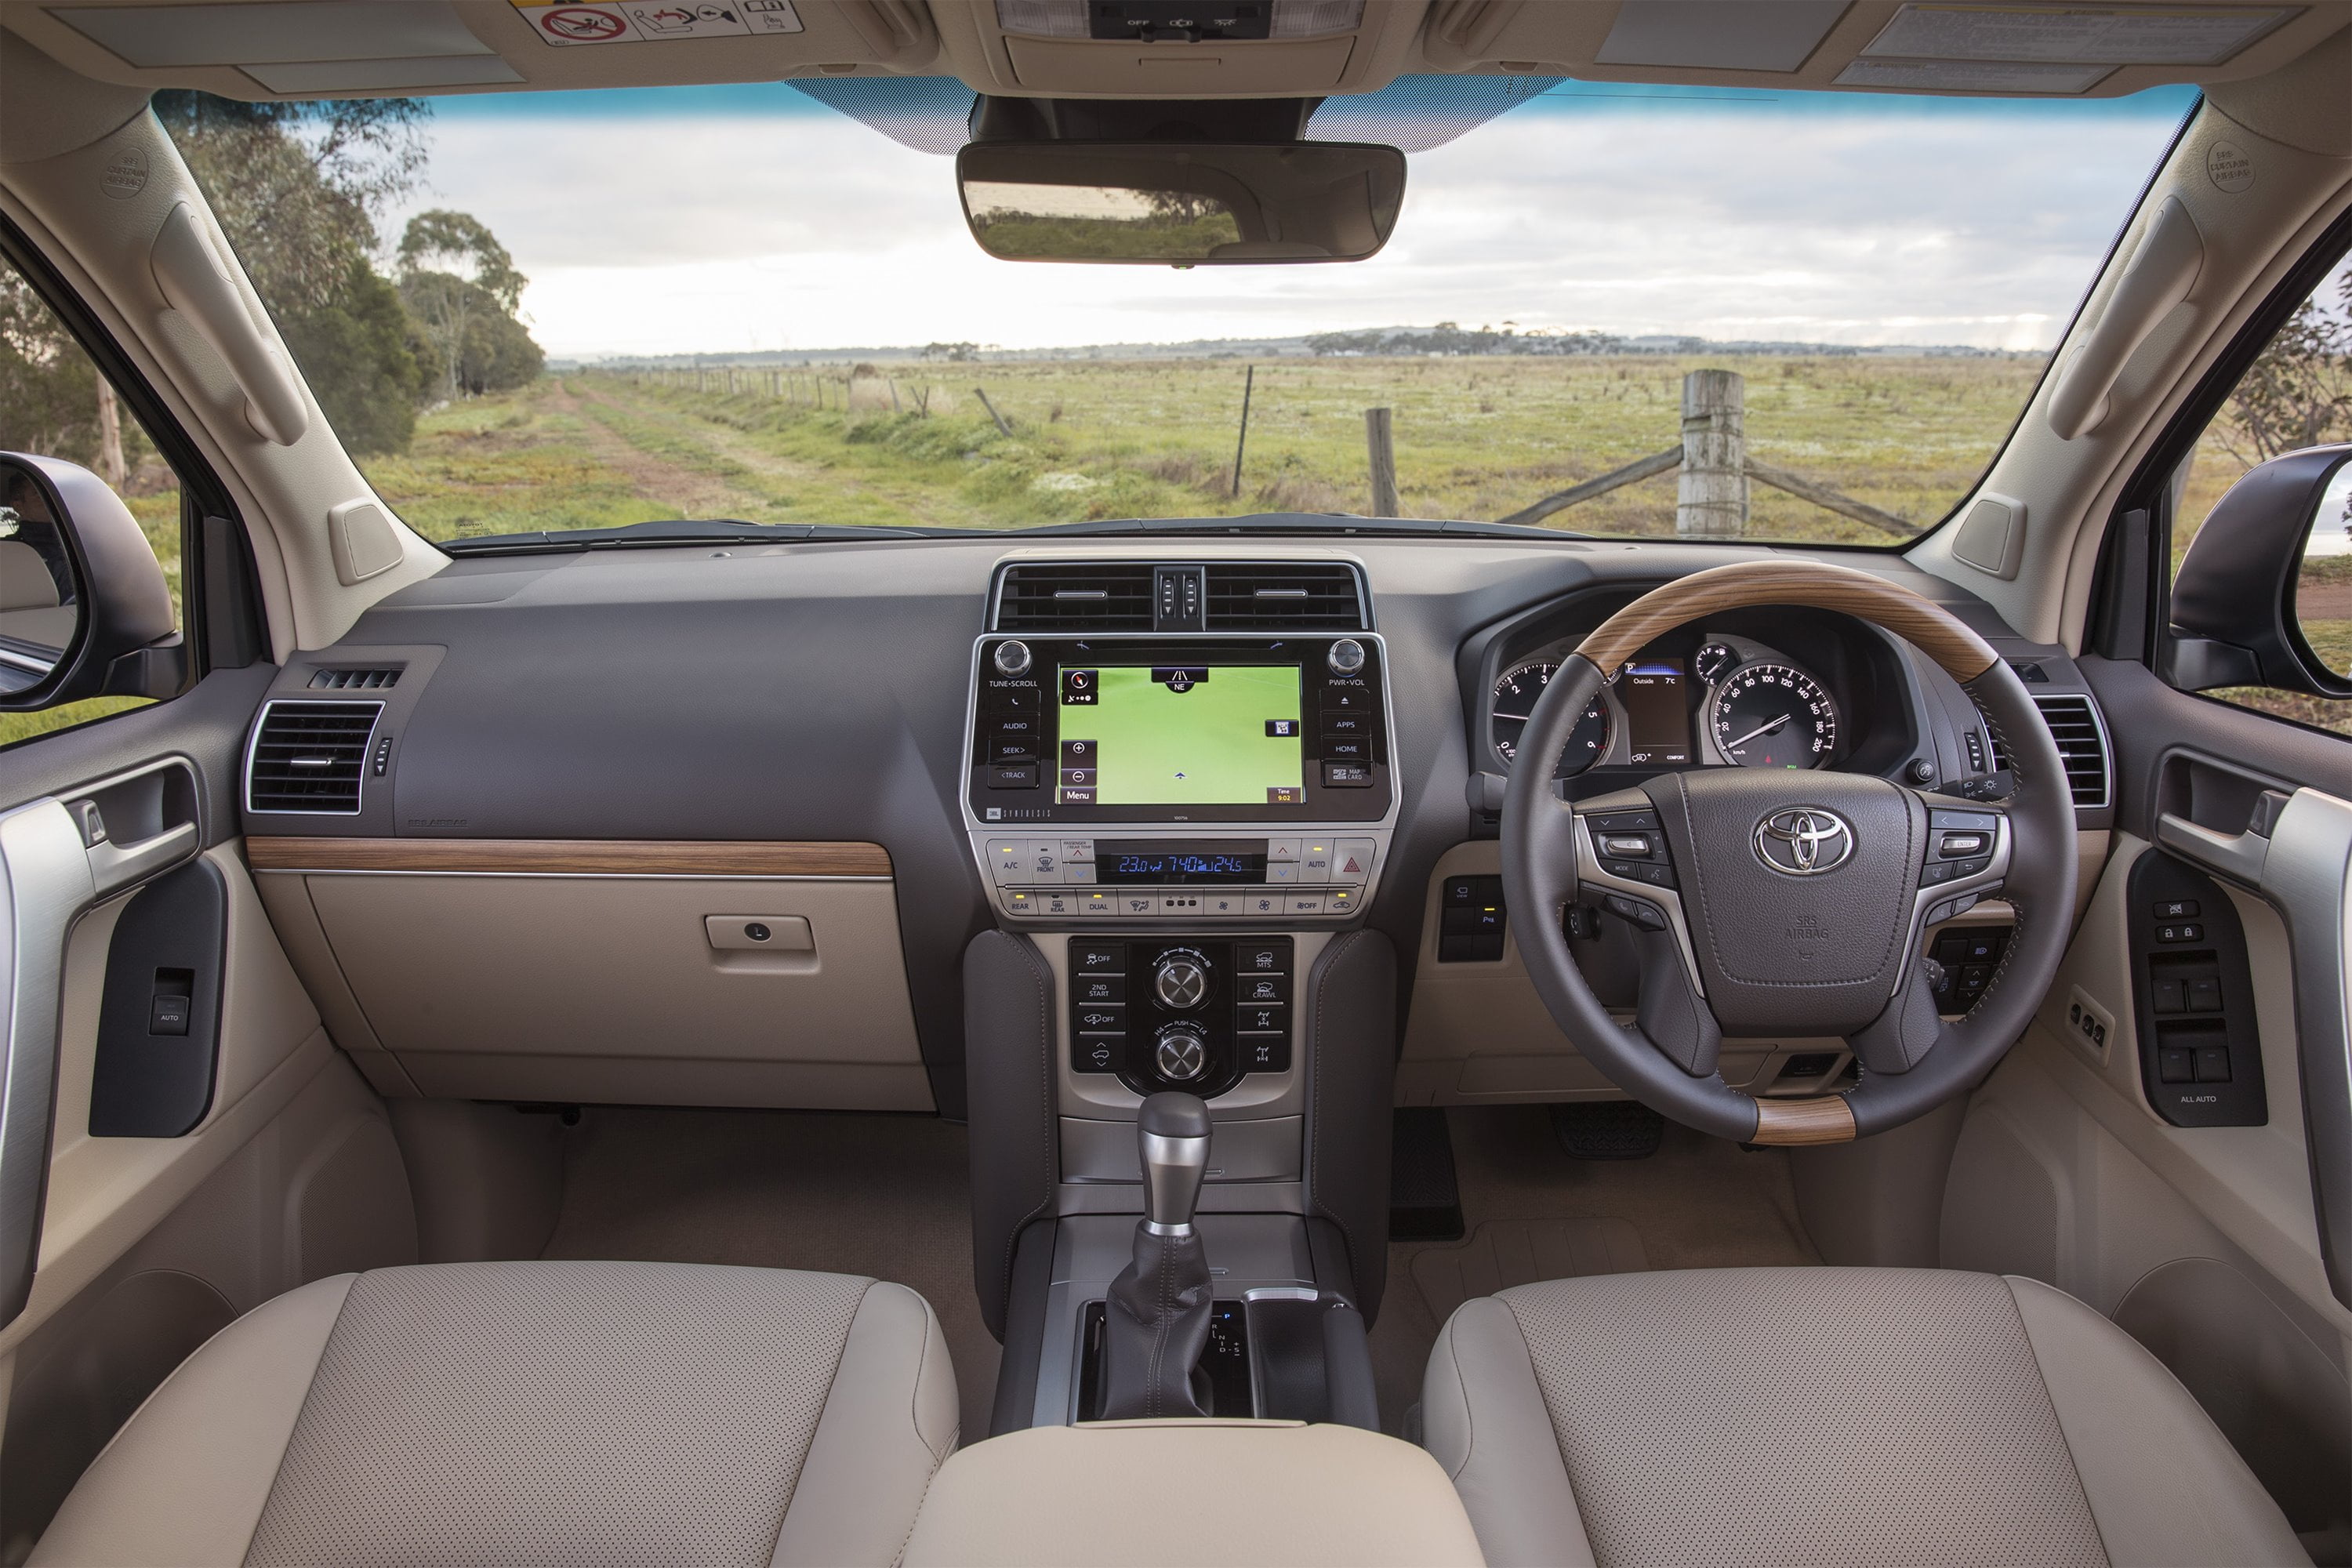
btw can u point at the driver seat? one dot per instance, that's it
(1825, 1416)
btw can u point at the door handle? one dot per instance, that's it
(116, 866)
(2240, 857)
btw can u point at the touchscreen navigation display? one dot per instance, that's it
(1191, 734)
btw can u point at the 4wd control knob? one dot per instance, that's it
(1181, 1055)
(1181, 981)
(1012, 658)
(1345, 658)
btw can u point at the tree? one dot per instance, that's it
(49, 389)
(2299, 393)
(455, 275)
(296, 188)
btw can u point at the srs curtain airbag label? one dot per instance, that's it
(651, 21)
(1180, 735)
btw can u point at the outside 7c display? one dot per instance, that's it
(1192, 734)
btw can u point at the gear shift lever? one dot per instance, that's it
(1157, 1321)
(1171, 1133)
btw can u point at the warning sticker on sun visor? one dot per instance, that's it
(650, 21)
(2075, 35)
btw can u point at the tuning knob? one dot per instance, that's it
(1012, 658)
(1345, 658)
(1181, 981)
(1181, 1055)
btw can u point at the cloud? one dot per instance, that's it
(1859, 221)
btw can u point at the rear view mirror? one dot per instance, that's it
(2265, 595)
(84, 610)
(1180, 203)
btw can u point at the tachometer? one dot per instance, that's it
(1516, 695)
(1771, 716)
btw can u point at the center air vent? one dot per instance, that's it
(1277, 597)
(2082, 747)
(353, 679)
(307, 756)
(1088, 597)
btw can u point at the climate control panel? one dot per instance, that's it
(1191, 1013)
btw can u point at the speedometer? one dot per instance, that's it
(1771, 716)
(1516, 695)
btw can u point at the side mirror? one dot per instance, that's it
(1180, 203)
(84, 610)
(2265, 595)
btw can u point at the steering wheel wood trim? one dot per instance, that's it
(1963, 655)
(1911, 1059)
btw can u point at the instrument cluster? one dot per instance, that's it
(1696, 699)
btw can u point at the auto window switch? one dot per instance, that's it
(2212, 1064)
(2205, 996)
(2176, 1064)
(169, 1015)
(2171, 997)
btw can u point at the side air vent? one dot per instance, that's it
(1079, 597)
(353, 679)
(1276, 597)
(307, 756)
(2082, 746)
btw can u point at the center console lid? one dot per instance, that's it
(1274, 1492)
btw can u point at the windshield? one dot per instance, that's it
(1617, 311)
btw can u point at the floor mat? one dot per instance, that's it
(849, 1193)
(1502, 1253)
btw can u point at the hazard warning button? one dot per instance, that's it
(1351, 861)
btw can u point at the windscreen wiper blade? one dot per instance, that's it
(679, 531)
(1332, 522)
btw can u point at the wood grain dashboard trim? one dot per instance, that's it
(1796, 1123)
(571, 857)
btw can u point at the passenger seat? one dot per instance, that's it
(569, 1413)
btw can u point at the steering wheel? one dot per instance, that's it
(1772, 903)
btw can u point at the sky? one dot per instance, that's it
(726, 220)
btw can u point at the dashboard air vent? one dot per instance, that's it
(1278, 597)
(1078, 597)
(307, 756)
(2082, 746)
(353, 679)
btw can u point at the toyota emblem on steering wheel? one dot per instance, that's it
(1804, 841)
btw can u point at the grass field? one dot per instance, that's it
(1475, 438)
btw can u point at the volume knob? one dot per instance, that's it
(1181, 983)
(1012, 658)
(1346, 657)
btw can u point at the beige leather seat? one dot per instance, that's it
(1829, 1415)
(551, 1413)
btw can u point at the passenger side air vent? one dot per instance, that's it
(1276, 597)
(353, 679)
(307, 756)
(2082, 746)
(1088, 597)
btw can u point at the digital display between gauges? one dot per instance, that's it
(1771, 716)
(1657, 712)
(1516, 695)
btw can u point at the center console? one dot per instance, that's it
(1179, 827)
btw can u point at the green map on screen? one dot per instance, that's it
(1197, 741)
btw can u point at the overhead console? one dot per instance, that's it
(1151, 749)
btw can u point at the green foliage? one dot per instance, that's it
(462, 288)
(1029, 236)
(362, 362)
(49, 389)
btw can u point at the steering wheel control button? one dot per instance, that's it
(1649, 917)
(1624, 822)
(1961, 846)
(1941, 821)
(1626, 845)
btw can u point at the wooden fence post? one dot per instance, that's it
(1711, 497)
(1380, 444)
(1241, 442)
(1002, 427)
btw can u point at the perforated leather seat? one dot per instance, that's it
(1829, 1415)
(555, 1413)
